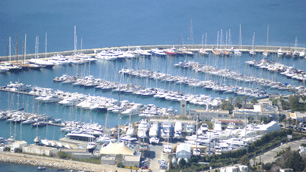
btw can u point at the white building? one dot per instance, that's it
(183, 151)
(236, 168)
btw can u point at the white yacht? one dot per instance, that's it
(280, 52)
(178, 129)
(154, 130)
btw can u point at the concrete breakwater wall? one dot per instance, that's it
(56, 163)
(93, 51)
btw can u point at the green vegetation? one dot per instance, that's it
(293, 103)
(226, 105)
(265, 120)
(254, 101)
(238, 102)
(288, 159)
(266, 143)
(64, 155)
(120, 165)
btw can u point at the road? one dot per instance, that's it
(269, 157)
(156, 153)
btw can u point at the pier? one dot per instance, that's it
(192, 47)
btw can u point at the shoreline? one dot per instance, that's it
(34, 160)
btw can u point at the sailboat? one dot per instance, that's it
(203, 51)
(289, 52)
(266, 53)
(252, 51)
(238, 51)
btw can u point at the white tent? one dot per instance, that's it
(268, 128)
(183, 151)
(115, 149)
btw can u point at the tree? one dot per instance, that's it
(238, 102)
(230, 99)
(244, 160)
(193, 160)
(244, 100)
(267, 166)
(293, 160)
(120, 165)
(254, 101)
(226, 105)
(182, 163)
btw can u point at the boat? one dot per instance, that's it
(81, 137)
(280, 52)
(39, 124)
(252, 51)
(266, 53)
(178, 129)
(203, 51)
(238, 52)
(154, 140)
(41, 168)
(171, 51)
(91, 146)
(158, 52)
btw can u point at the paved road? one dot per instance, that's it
(269, 156)
(156, 153)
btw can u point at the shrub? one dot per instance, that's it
(120, 165)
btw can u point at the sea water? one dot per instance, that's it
(121, 23)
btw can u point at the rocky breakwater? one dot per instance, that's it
(56, 163)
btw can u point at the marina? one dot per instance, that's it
(118, 86)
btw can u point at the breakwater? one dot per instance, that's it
(192, 47)
(56, 163)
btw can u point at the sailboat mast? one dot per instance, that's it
(25, 44)
(46, 44)
(36, 46)
(240, 37)
(221, 38)
(217, 39)
(16, 49)
(191, 33)
(229, 37)
(10, 48)
(202, 40)
(23, 52)
(253, 41)
(267, 36)
(205, 39)
(75, 41)
(226, 38)
(296, 43)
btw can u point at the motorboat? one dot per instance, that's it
(154, 140)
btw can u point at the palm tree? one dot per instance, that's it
(244, 99)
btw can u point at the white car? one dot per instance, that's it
(168, 149)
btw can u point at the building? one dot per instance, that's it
(298, 116)
(235, 168)
(108, 160)
(183, 151)
(286, 170)
(183, 108)
(207, 115)
(131, 160)
(40, 150)
(19, 144)
(224, 123)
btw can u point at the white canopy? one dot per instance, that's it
(115, 149)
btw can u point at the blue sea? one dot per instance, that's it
(102, 23)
